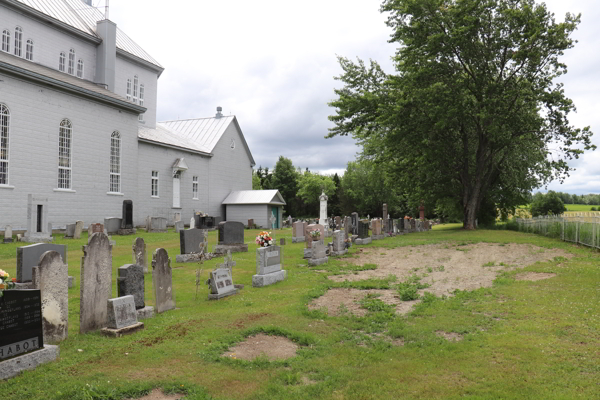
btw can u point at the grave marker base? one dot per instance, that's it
(337, 253)
(268, 279)
(122, 331)
(124, 232)
(71, 283)
(13, 366)
(10, 240)
(146, 312)
(187, 258)
(307, 253)
(362, 241)
(313, 262)
(220, 296)
(221, 249)
(298, 239)
(377, 237)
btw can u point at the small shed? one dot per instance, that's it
(259, 205)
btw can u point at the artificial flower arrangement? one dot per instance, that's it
(315, 234)
(6, 282)
(264, 239)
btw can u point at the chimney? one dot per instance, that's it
(106, 54)
(219, 114)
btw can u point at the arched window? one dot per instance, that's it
(135, 88)
(4, 131)
(129, 89)
(141, 117)
(72, 62)
(6, 40)
(29, 50)
(64, 154)
(115, 162)
(80, 68)
(18, 41)
(61, 61)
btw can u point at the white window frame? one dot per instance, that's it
(62, 61)
(195, 188)
(136, 81)
(65, 147)
(18, 42)
(141, 116)
(80, 68)
(129, 89)
(6, 41)
(115, 163)
(29, 50)
(71, 69)
(4, 144)
(154, 187)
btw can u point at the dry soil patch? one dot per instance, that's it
(157, 394)
(534, 276)
(274, 347)
(336, 301)
(450, 336)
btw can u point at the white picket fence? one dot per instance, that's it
(584, 228)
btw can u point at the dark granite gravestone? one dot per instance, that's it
(204, 222)
(400, 224)
(192, 240)
(20, 322)
(127, 216)
(363, 229)
(29, 257)
(231, 232)
(131, 282)
(354, 220)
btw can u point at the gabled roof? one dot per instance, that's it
(83, 17)
(23, 69)
(165, 136)
(271, 197)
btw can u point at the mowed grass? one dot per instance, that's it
(521, 339)
(580, 207)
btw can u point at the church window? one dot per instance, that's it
(72, 62)
(115, 162)
(18, 41)
(6, 41)
(64, 154)
(135, 88)
(80, 68)
(129, 89)
(61, 61)
(29, 50)
(154, 184)
(141, 117)
(4, 125)
(195, 188)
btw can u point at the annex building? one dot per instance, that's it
(78, 125)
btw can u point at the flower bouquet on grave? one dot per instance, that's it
(264, 239)
(315, 234)
(5, 282)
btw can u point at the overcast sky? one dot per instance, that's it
(272, 63)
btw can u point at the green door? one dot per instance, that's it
(274, 217)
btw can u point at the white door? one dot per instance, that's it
(176, 190)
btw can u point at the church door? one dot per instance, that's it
(177, 190)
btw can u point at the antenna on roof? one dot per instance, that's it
(106, 10)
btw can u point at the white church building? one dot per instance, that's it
(78, 125)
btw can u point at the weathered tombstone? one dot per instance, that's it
(121, 317)
(95, 228)
(363, 233)
(413, 225)
(221, 284)
(309, 239)
(192, 223)
(130, 281)
(139, 254)
(51, 277)
(347, 227)
(8, 234)
(156, 224)
(37, 220)
(69, 231)
(339, 244)
(282, 242)
(298, 232)
(179, 226)
(354, 221)
(323, 214)
(29, 256)
(385, 213)
(338, 223)
(193, 244)
(319, 254)
(231, 237)
(268, 266)
(21, 334)
(112, 225)
(96, 282)
(164, 296)
(377, 230)
(78, 229)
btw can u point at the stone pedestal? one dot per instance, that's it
(362, 241)
(14, 366)
(128, 330)
(234, 248)
(268, 266)
(146, 312)
(128, 231)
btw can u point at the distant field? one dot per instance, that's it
(580, 207)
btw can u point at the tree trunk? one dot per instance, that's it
(471, 207)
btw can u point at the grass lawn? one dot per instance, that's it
(522, 339)
(580, 207)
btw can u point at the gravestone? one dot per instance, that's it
(95, 228)
(406, 225)
(140, 256)
(37, 220)
(192, 223)
(130, 281)
(176, 217)
(231, 238)
(251, 223)
(69, 231)
(127, 215)
(422, 211)
(204, 222)
(29, 257)
(363, 233)
(179, 226)
(96, 282)
(121, 317)
(193, 245)
(51, 277)
(268, 266)
(413, 225)
(8, 234)
(376, 227)
(308, 239)
(354, 222)
(112, 225)
(221, 284)
(385, 214)
(156, 224)
(347, 227)
(338, 223)
(323, 209)
(282, 242)
(21, 333)
(298, 229)
(339, 244)
(164, 296)
(78, 229)
(318, 254)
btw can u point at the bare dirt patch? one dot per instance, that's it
(273, 347)
(534, 276)
(450, 336)
(337, 301)
(157, 394)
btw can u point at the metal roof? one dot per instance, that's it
(165, 136)
(22, 68)
(204, 132)
(83, 17)
(272, 197)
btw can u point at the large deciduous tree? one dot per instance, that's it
(285, 179)
(473, 111)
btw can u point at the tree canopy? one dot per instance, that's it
(473, 114)
(545, 204)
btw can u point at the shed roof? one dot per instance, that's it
(165, 136)
(271, 197)
(83, 17)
